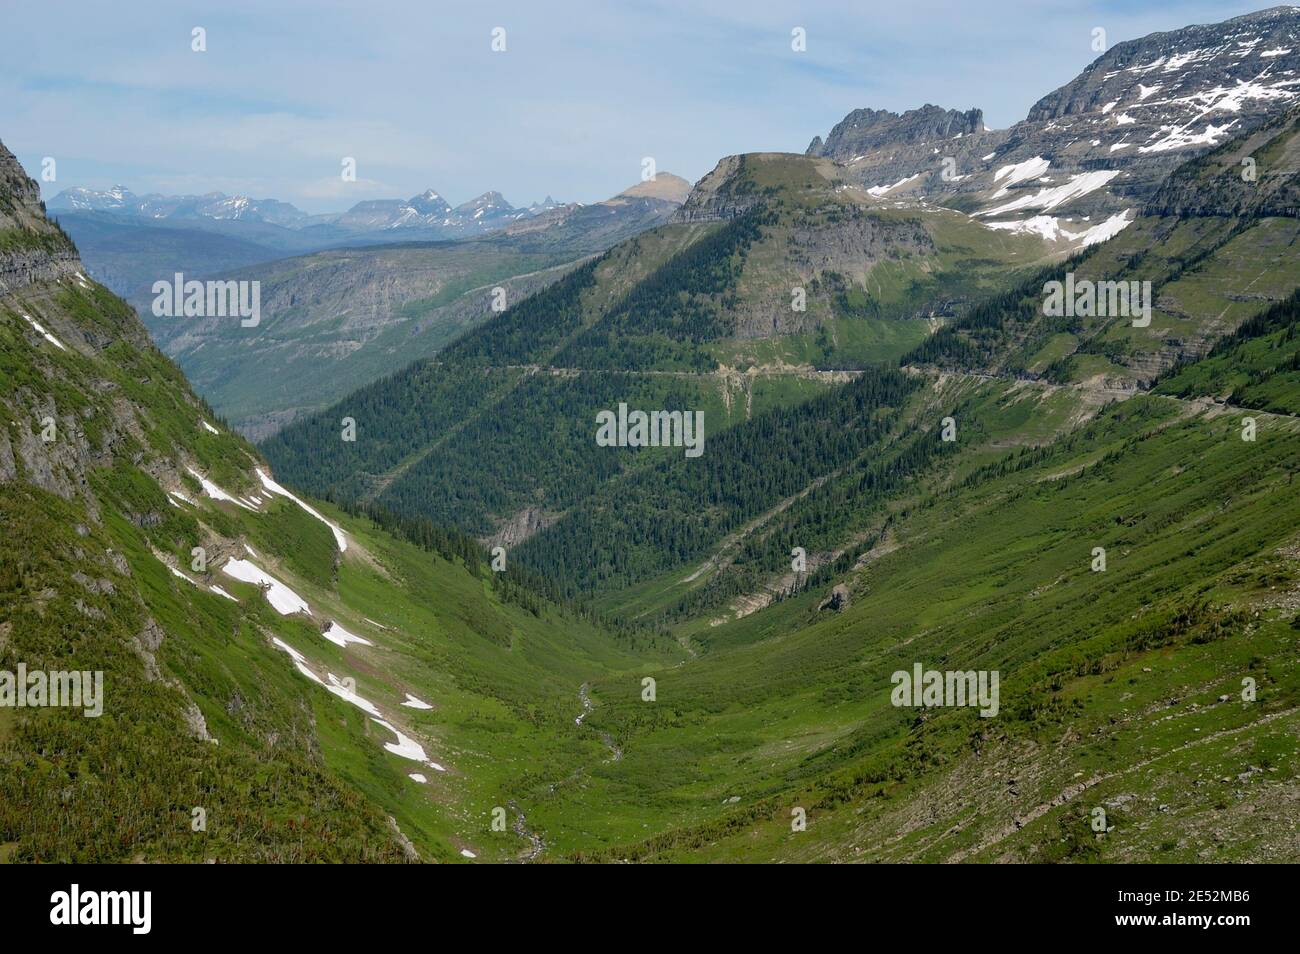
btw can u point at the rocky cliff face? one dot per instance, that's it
(866, 130)
(19, 194)
(733, 187)
(714, 197)
(31, 248)
(1145, 106)
(1177, 74)
(47, 300)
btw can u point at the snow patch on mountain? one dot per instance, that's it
(284, 600)
(215, 492)
(1050, 229)
(45, 334)
(339, 636)
(1019, 172)
(340, 537)
(878, 191)
(1049, 198)
(1180, 138)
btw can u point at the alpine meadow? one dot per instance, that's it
(923, 493)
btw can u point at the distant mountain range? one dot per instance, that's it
(129, 241)
(428, 210)
(362, 311)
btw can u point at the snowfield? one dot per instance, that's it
(339, 636)
(45, 334)
(285, 600)
(1020, 172)
(880, 190)
(405, 747)
(1049, 198)
(1050, 229)
(215, 492)
(339, 537)
(299, 660)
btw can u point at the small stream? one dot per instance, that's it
(587, 707)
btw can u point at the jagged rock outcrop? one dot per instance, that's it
(19, 193)
(31, 249)
(520, 527)
(8, 467)
(838, 600)
(715, 198)
(867, 130)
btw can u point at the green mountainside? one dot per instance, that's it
(1123, 689)
(215, 689)
(1217, 249)
(494, 433)
(687, 658)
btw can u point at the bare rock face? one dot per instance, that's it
(883, 149)
(708, 202)
(34, 250)
(520, 527)
(8, 469)
(195, 723)
(838, 600)
(46, 465)
(1145, 106)
(867, 130)
(664, 186)
(59, 466)
(19, 193)
(22, 267)
(1258, 175)
(1182, 69)
(408, 849)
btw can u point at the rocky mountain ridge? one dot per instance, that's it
(1091, 152)
(426, 211)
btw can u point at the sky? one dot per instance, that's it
(580, 96)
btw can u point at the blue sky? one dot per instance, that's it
(582, 92)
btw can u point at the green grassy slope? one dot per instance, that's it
(298, 774)
(1257, 366)
(1110, 681)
